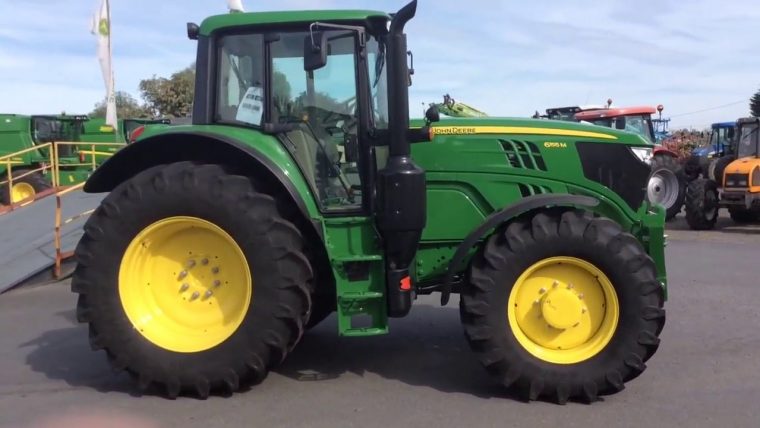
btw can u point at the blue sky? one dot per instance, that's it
(507, 58)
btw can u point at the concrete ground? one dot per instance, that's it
(422, 374)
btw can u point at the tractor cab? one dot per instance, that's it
(48, 128)
(637, 120)
(743, 174)
(722, 136)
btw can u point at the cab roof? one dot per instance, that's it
(720, 125)
(214, 23)
(614, 112)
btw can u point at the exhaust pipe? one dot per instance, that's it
(401, 197)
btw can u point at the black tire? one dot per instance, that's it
(36, 180)
(702, 204)
(520, 244)
(669, 164)
(720, 168)
(692, 168)
(743, 215)
(272, 246)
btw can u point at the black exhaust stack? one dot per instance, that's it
(401, 195)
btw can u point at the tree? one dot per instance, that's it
(754, 104)
(172, 97)
(126, 107)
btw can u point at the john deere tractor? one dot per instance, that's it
(302, 188)
(739, 185)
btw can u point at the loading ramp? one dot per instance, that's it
(27, 234)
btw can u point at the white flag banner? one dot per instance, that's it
(235, 5)
(101, 28)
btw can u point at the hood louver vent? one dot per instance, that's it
(523, 154)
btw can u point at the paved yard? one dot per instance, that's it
(422, 374)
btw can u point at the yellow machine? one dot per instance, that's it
(739, 190)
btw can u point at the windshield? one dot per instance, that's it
(49, 129)
(749, 141)
(637, 124)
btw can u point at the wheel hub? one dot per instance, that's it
(663, 188)
(185, 284)
(21, 191)
(563, 310)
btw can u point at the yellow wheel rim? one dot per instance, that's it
(21, 191)
(563, 310)
(185, 284)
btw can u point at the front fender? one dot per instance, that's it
(498, 217)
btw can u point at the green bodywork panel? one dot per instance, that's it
(232, 20)
(470, 174)
(96, 130)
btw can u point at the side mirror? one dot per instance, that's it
(432, 114)
(314, 51)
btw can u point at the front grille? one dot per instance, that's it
(523, 154)
(737, 180)
(616, 167)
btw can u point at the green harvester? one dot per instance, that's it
(302, 188)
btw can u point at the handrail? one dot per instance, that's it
(60, 192)
(87, 154)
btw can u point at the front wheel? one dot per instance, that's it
(563, 305)
(191, 279)
(702, 204)
(666, 185)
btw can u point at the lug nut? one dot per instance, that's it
(184, 287)
(195, 295)
(182, 274)
(570, 286)
(208, 294)
(542, 290)
(204, 262)
(580, 296)
(190, 263)
(555, 283)
(215, 270)
(583, 311)
(217, 283)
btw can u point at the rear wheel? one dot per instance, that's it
(191, 280)
(563, 305)
(702, 204)
(24, 188)
(666, 185)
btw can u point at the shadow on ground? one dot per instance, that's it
(65, 354)
(426, 349)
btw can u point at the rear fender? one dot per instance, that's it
(173, 147)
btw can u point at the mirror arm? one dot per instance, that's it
(360, 30)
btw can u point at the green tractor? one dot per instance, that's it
(18, 133)
(302, 188)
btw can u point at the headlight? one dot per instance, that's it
(756, 176)
(643, 153)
